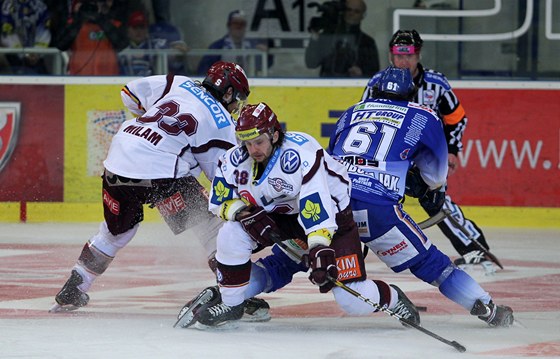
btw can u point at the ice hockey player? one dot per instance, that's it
(379, 139)
(435, 92)
(275, 186)
(182, 128)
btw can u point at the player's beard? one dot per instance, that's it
(262, 157)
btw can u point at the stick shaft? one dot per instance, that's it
(278, 240)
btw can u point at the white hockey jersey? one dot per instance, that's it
(300, 178)
(181, 131)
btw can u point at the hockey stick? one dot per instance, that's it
(453, 343)
(432, 221)
(278, 240)
(469, 236)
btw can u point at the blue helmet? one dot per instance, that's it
(396, 84)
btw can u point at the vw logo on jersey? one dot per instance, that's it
(290, 161)
(238, 156)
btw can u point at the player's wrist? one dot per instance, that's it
(321, 237)
(231, 208)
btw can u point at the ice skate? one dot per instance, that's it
(188, 314)
(219, 315)
(494, 315)
(472, 257)
(256, 310)
(405, 308)
(70, 296)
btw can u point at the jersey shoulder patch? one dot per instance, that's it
(431, 76)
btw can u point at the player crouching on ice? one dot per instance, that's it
(284, 184)
(379, 139)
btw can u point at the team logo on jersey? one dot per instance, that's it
(404, 154)
(220, 191)
(238, 156)
(428, 97)
(280, 185)
(290, 161)
(9, 128)
(312, 211)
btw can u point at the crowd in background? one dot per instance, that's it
(126, 37)
(95, 35)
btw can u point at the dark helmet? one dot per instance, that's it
(405, 42)
(254, 120)
(395, 83)
(223, 75)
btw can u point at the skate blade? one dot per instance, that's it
(188, 318)
(229, 325)
(257, 317)
(57, 308)
(517, 324)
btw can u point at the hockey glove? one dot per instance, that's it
(258, 224)
(433, 201)
(322, 261)
(415, 185)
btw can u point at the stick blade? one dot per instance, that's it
(460, 348)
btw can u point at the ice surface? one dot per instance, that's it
(134, 304)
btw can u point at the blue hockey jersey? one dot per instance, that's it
(379, 139)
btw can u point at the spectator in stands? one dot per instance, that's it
(5, 68)
(142, 37)
(25, 23)
(137, 64)
(59, 11)
(167, 36)
(235, 39)
(93, 36)
(338, 45)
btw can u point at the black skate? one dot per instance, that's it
(219, 315)
(255, 310)
(70, 297)
(494, 315)
(405, 308)
(189, 313)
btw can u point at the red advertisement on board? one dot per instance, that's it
(511, 151)
(31, 143)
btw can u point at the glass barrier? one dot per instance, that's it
(466, 40)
